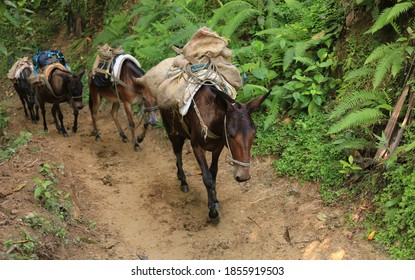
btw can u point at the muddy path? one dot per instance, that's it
(135, 201)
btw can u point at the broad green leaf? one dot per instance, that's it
(327, 63)
(322, 53)
(351, 159)
(258, 45)
(38, 191)
(313, 108)
(260, 73)
(10, 18)
(317, 99)
(10, 3)
(283, 43)
(319, 78)
(271, 74)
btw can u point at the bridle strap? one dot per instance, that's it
(150, 109)
(244, 164)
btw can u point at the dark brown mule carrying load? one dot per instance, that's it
(19, 75)
(192, 107)
(55, 84)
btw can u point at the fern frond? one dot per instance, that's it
(393, 59)
(357, 143)
(181, 36)
(389, 15)
(361, 72)
(399, 9)
(301, 47)
(288, 58)
(364, 117)
(355, 100)
(305, 60)
(270, 20)
(294, 4)
(377, 54)
(146, 20)
(228, 9)
(287, 33)
(237, 20)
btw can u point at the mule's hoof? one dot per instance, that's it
(140, 139)
(74, 129)
(215, 219)
(97, 138)
(125, 140)
(184, 188)
(137, 148)
(65, 134)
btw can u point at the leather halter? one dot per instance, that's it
(208, 133)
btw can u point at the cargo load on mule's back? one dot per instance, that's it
(18, 66)
(203, 60)
(107, 66)
(43, 63)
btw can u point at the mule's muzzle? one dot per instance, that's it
(79, 105)
(152, 118)
(241, 174)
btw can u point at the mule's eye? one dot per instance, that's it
(231, 135)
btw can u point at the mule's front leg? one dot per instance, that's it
(43, 110)
(75, 120)
(131, 124)
(114, 114)
(94, 104)
(60, 115)
(209, 180)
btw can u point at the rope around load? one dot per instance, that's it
(192, 71)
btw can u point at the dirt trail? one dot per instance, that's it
(135, 200)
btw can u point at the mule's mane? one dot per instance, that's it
(134, 67)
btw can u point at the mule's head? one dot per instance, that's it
(239, 130)
(150, 107)
(150, 102)
(75, 88)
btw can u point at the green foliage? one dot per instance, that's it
(4, 119)
(24, 248)
(390, 58)
(9, 151)
(349, 167)
(45, 226)
(303, 149)
(363, 118)
(390, 15)
(50, 196)
(396, 208)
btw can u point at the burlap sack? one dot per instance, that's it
(17, 66)
(206, 42)
(154, 77)
(172, 81)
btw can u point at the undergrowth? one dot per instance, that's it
(302, 148)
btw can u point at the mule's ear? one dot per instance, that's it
(253, 105)
(65, 77)
(223, 100)
(81, 74)
(222, 94)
